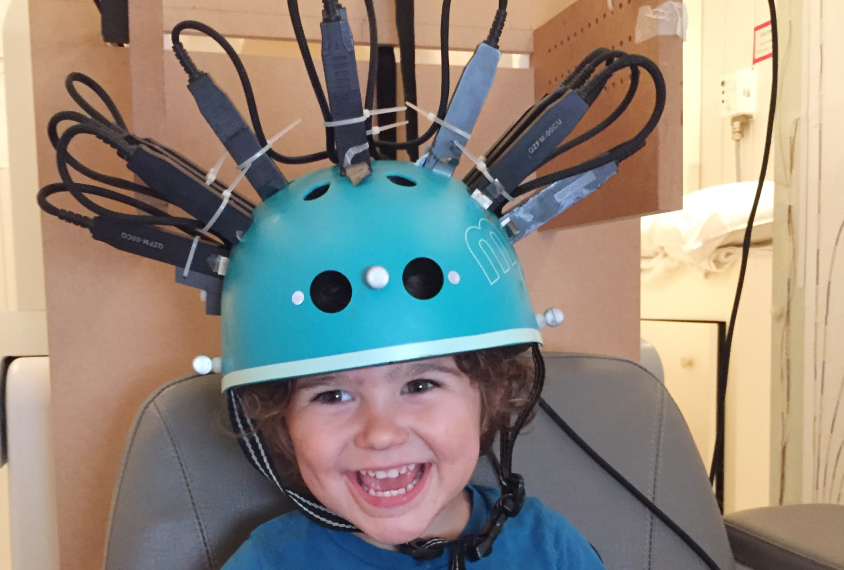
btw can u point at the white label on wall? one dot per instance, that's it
(763, 43)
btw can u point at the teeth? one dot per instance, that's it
(392, 473)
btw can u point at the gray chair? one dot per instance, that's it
(186, 498)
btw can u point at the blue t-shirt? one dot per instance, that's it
(536, 538)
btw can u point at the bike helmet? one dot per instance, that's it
(332, 276)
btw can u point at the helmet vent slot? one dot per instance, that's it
(401, 180)
(331, 292)
(423, 278)
(317, 192)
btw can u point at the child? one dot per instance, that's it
(368, 401)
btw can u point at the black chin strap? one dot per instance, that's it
(476, 546)
(472, 547)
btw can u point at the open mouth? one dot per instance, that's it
(391, 482)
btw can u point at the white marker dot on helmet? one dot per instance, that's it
(453, 277)
(377, 277)
(203, 365)
(553, 317)
(298, 298)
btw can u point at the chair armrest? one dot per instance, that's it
(789, 537)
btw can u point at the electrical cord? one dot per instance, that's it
(115, 135)
(644, 500)
(745, 248)
(372, 77)
(625, 150)
(575, 80)
(70, 85)
(194, 73)
(603, 125)
(444, 89)
(319, 92)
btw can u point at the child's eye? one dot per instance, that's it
(333, 397)
(418, 386)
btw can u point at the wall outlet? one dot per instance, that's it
(738, 94)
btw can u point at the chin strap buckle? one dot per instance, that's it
(422, 550)
(511, 502)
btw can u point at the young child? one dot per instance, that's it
(369, 399)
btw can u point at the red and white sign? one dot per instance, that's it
(763, 42)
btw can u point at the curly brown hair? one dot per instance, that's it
(504, 376)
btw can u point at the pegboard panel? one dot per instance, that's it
(652, 180)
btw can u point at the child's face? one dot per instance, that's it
(416, 425)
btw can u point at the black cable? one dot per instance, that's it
(603, 125)
(372, 77)
(624, 150)
(52, 131)
(115, 181)
(445, 87)
(584, 71)
(745, 247)
(497, 24)
(252, 106)
(386, 95)
(77, 77)
(405, 27)
(664, 518)
(77, 189)
(301, 40)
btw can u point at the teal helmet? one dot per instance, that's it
(332, 276)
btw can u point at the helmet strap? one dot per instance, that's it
(477, 546)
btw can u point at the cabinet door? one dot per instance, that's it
(689, 354)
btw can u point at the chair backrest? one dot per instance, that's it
(186, 498)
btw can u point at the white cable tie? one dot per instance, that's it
(248, 162)
(434, 119)
(378, 130)
(387, 110)
(215, 170)
(226, 195)
(480, 164)
(366, 114)
(186, 272)
(352, 152)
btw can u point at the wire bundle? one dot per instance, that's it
(587, 80)
(369, 99)
(115, 134)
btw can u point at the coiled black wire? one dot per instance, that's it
(625, 150)
(112, 132)
(445, 85)
(254, 117)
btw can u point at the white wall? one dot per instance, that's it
(727, 45)
(809, 302)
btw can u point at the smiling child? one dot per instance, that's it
(376, 339)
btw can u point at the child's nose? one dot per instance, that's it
(380, 430)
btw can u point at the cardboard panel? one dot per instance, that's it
(652, 180)
(469, 23)
(108, 350)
